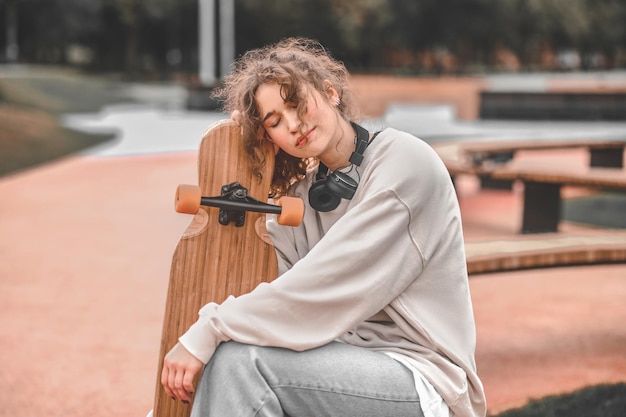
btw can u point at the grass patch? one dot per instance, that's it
(596, 401)
(604, 209)
(58, 90)
(32, 137)
(31, 101)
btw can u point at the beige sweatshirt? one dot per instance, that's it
(385, 271)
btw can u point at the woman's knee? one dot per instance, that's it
(235, 378)
(234, 357)
(226, 356)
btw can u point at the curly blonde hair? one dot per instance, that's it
(293, 64)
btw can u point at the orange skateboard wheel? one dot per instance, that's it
(187, 199)
(292, 211)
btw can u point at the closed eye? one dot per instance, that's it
(275, 123)
(275, 120)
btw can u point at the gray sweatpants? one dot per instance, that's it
(333, 380)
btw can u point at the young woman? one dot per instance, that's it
(371, 314)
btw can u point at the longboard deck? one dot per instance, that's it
(213, 261)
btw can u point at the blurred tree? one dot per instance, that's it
(147, 37)
(538, 26)
(131, 17)
(350, 30)
(150, 30)
(607, 28)
(362, 31)
(161, 36)
(8, 37)
(46, 27)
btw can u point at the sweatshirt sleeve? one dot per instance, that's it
(363, 262)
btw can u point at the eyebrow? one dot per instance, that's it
(268, 115)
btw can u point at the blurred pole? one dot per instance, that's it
(217, 39)
(227, 35)
(12, 48)
(207, 42)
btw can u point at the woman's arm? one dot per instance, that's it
(363, 262)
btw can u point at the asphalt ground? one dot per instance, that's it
(85, 249)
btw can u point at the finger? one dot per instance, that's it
(165, 380)
(171, 382)
(236, 116)
(178, 386)
(188, 381)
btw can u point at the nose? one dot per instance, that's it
(292, 119)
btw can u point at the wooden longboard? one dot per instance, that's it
(213, 260)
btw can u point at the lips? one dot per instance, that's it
(302, 140)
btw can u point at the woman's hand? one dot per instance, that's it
(236, 116)
(179, 369)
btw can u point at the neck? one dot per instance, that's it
(338, 154)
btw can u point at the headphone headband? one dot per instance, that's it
(362, 140)
(330, 187)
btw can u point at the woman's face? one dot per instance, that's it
(310, 137)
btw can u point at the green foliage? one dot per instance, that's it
(598, 401)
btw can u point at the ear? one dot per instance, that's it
(331, 93)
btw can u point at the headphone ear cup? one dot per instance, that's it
(321, 198)
(342, 185)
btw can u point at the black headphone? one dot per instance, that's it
(330, 187)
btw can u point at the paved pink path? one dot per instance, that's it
(85, 248)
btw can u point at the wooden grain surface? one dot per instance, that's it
(540, 171)
(543, 251)
(213, 261)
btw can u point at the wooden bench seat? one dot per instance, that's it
(541, 251)
(480, 157)
(542, 188)
(542, 179)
